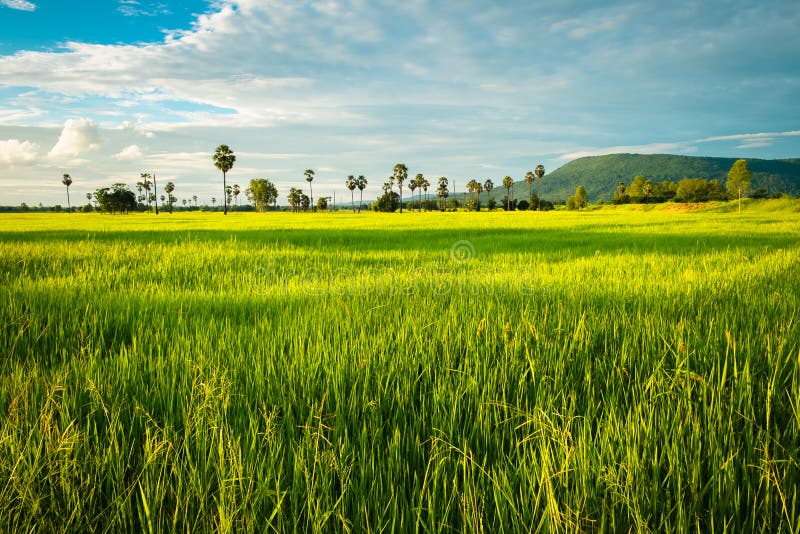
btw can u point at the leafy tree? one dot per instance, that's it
(581, 198)
(572, 204)
(636, 189)
(295, 198)
(169, 188)
(399, 175)
(117, 198)
(351, 184)
(322, 203)
(739, 180)
(361, 183)
(67, 181)
(699, 190)
(621, 194)
(508, 183)
(224, 159)
(647, 189)
(309, 174)
(264, 193)
(523, 205)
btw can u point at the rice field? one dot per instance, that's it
(611, 370)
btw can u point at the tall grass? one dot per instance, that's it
(610, 370)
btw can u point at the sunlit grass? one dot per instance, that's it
(606, 370)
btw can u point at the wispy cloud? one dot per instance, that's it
(22, 5)
(137, 8)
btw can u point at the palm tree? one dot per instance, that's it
(488, 185)
(350, 183)
(508, 183)
(194, 197)
(236, 192)
(169, 188)
(309, 174)
(145, 184)
(67, 180)
(183, 201)
(425, 185)
(442, 192)
(420, 180)
(478, 191)
(471, 186)
(214, 201)
(412, 185)
(400, 174)
(529, 178)
(224, 160)
(361, 183)
(539, 172)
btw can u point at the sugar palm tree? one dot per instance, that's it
(425, 185)
(420, 184)
(539, 172)
(529, 178)
(224, 160)
(488, 185)
(169, 188)
(508, 183)
(236, 192)
(442, 192)
(351, 184)
(194, 197)
(67, 181)
(412, 185)
(361, 183)
(399, 175)
(309, 174)
(214, 201)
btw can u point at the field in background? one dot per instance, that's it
(604, 370)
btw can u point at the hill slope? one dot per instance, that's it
(601, 174)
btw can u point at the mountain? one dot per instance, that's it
(601, 174)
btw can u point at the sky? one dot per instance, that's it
(107, 89)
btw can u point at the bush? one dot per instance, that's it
(523, 205)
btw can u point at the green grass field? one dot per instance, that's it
(611, 370)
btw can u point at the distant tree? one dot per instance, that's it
(425, 185)
(442, 191)
(529, 178)
(67, 181)
(488, 185)
(699, 190)
(322, 203)
(523, 205)
(169, 188)
(399, 175)
(295, 198)
(118, 198)
(572, 204)
(350, 183)
(478, 191)
(309, 174)
(236, 192)
(621, 194)
(647, 190)
(214, 201)
(420, 180)
(263, 192)
(539, 172)
(412, 186)
(739, 180)
(183, 201)
(581, 198)
(361, 183)
(194, 197)
(305, 201)
(636, 189)
(508, 183)
(224, 159)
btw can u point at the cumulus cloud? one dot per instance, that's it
(77, 136)
(129, 153)
(22, 5)
(14, 151)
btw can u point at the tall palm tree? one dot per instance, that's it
(67, 180)
(169, 188)
(309, 174)
(194, 197)
(236, 192)
(412, 185)
(400, 174)
(529, 178)
(442, 192)
(224, 160)
(478, 191)
(420, 184)
(214, 201)
(183, 201)
(539, 172)
(361, 183)
(425, 185)
(471, 186)
(146, 185)
(508, 183)
(351, 184)
(488, 185)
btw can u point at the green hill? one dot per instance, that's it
(601, 174)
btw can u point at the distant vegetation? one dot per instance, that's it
(600, 175)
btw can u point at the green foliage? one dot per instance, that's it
(387, 202)
(263, 193)
(322, 203)
(581, 198)
(699, 190)
(118, 198)
(601, 174)
(617, 371)
(739, 179)
(572, 204)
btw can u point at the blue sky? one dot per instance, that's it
(107, 89)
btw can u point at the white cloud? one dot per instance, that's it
(78, 136)
(750, 137)
(652, 148)
(134, 8)
(129, 153)
(22, 5)
(14, 151)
